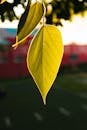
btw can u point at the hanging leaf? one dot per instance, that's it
(28, 21)
(2, 1)
(44, 58)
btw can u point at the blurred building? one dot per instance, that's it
(13, 62)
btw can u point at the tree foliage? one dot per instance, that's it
(65, 8)
(7, 9)
(60, 9)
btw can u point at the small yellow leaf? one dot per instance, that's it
(28, 21)
(44, 58)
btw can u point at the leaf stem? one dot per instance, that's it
(44, 12)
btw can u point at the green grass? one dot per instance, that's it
(73, 82)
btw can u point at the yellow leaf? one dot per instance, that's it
(28, 21)
(44, 58)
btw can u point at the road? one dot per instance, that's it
(22, 108)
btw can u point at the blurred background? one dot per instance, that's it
(21, 105)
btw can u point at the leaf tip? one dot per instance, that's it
(44, 100)
(16, 44)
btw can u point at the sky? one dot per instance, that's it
(76, 30)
